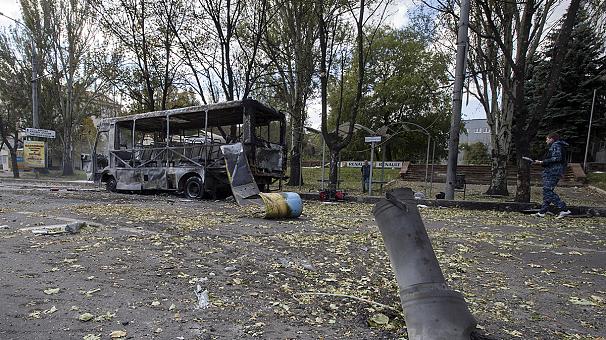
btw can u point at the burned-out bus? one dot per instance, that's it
(180, 150)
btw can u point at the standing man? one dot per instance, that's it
(554, 166)
(365, 176)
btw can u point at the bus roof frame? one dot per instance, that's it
(219, 114)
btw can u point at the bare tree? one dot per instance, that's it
(231, 55)
(289, 43)
(72, 63)
(144, 31)
(14, 94)
(9, 129)
(526, 123)
(330, 16)
(506, 38)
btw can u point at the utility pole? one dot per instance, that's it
(35, 120)
(372, 159)
(457, 100)
(589, 131)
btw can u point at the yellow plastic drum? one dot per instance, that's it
(282, 205)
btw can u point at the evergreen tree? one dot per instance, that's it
(570, 107)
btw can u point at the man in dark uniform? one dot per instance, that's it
(365, 176)
(554, 166)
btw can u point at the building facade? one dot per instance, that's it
(475, 130)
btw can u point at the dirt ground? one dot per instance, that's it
(133, 271)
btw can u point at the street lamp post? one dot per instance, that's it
(35, 123)
(589, 131)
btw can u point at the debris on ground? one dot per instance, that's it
(202, 296)
(70, 228)
(505, 263)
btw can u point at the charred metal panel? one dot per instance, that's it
(171, 182)
(154, 178)
(242, 182)
(128, 179)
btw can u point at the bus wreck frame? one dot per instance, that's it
(180, 149)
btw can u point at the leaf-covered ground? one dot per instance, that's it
(134, 271)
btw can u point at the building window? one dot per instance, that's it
(478, 130)
(486, 130)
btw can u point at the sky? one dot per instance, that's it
(10, 8)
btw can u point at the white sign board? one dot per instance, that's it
(352, 164)
(371, 139)
(392, 165)
(358, 164)
(40, 133)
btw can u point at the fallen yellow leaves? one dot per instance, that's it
(86, 317)
(502, 262)
(184, 219)
(51, 310)
(378, 320)
(92, 337)
(52, 291)
(594, 300)
(117, 334)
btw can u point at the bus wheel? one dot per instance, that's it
(111, 183)
(194, 187)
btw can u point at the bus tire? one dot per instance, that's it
(110, 184)
(194, 187)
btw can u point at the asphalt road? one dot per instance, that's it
(134, 269)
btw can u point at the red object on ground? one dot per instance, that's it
(340, 195)
(325, 196)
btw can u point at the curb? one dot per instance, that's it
(50, 180)
(472, 205)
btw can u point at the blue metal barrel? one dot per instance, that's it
(282, 205)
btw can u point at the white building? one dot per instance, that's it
(476, 130)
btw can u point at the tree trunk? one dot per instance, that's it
(15, 167)
(523, 176)
(527, 125)
(498, 169)
(333, 172)
(68, 149)
(295, 160)
(13, 152)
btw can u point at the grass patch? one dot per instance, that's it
(597, 180)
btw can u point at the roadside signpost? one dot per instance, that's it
(372, 140)
(34, 152)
